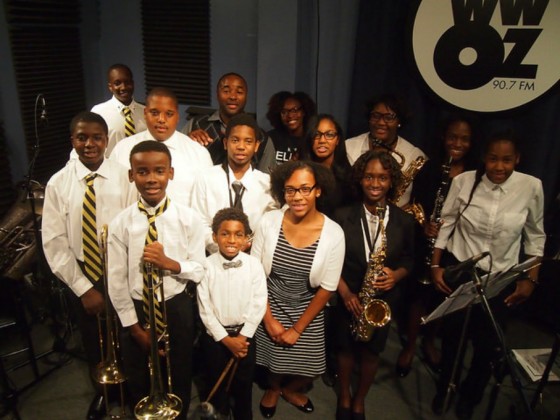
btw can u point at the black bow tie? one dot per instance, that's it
(232, 264)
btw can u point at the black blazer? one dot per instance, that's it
(400, 243)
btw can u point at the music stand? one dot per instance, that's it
(472, 293)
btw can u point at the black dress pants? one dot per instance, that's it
(135, 361)
(217, 356)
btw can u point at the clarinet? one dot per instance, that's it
(435, 217)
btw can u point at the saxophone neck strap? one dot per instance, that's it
(365, 226)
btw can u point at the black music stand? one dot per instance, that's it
(467, 295)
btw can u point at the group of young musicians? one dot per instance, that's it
(257, 257)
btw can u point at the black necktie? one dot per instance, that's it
(238, 190)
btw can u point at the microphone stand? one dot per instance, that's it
(41, 270)
(29, 177)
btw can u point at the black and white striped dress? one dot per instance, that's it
(289, 294)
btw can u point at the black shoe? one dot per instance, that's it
(267, 412)
(97, 408)
(343, 413)
(358, 416)
(464, 409)
(305, 408)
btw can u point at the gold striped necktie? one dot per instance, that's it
(152, 236)
(92, 257)
(129, 127)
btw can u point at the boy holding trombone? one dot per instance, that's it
(155, 240)
(79, 199)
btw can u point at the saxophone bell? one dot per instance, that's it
(376, 313)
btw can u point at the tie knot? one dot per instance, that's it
(237, 186)
(232, 264)
(89, 179)
(127, 111)
(158, 211)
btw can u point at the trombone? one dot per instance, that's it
(109, 371)
(159, 404)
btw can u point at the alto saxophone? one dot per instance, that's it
(435, 217)
(376, 313)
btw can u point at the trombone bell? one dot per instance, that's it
(158, 406)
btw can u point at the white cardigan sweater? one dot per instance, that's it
(329, 257)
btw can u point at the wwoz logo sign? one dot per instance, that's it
(488, 55)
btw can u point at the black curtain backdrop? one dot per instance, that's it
(383, 63)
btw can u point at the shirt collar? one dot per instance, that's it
(120, 105)
(82, 171)
(245, 179)
(370, 216)
(504, 186)
(223, 259)
(215, 116)
(171, 142)
(152, 209)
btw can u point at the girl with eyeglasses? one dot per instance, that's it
(375, 177)
(288, 114)
(323, 143)
(302, 251)
(386, 114)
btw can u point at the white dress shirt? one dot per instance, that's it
(188, 159)
(212, 193)
(233, 296)
(112, 112)
(357, 146)
(373, 223)
(62, 215)
(498, 219)
(179, 231)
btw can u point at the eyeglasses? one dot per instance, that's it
(305, 191)
(294, 110)
(388, 117)
(329, 135)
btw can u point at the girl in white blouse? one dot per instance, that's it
(493, 209)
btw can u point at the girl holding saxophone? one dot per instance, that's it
(385, 231)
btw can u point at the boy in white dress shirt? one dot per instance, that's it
(235, 183)
(189, 157)
(121, 85)
(62, 230)
(232, 301)
(176, 252)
